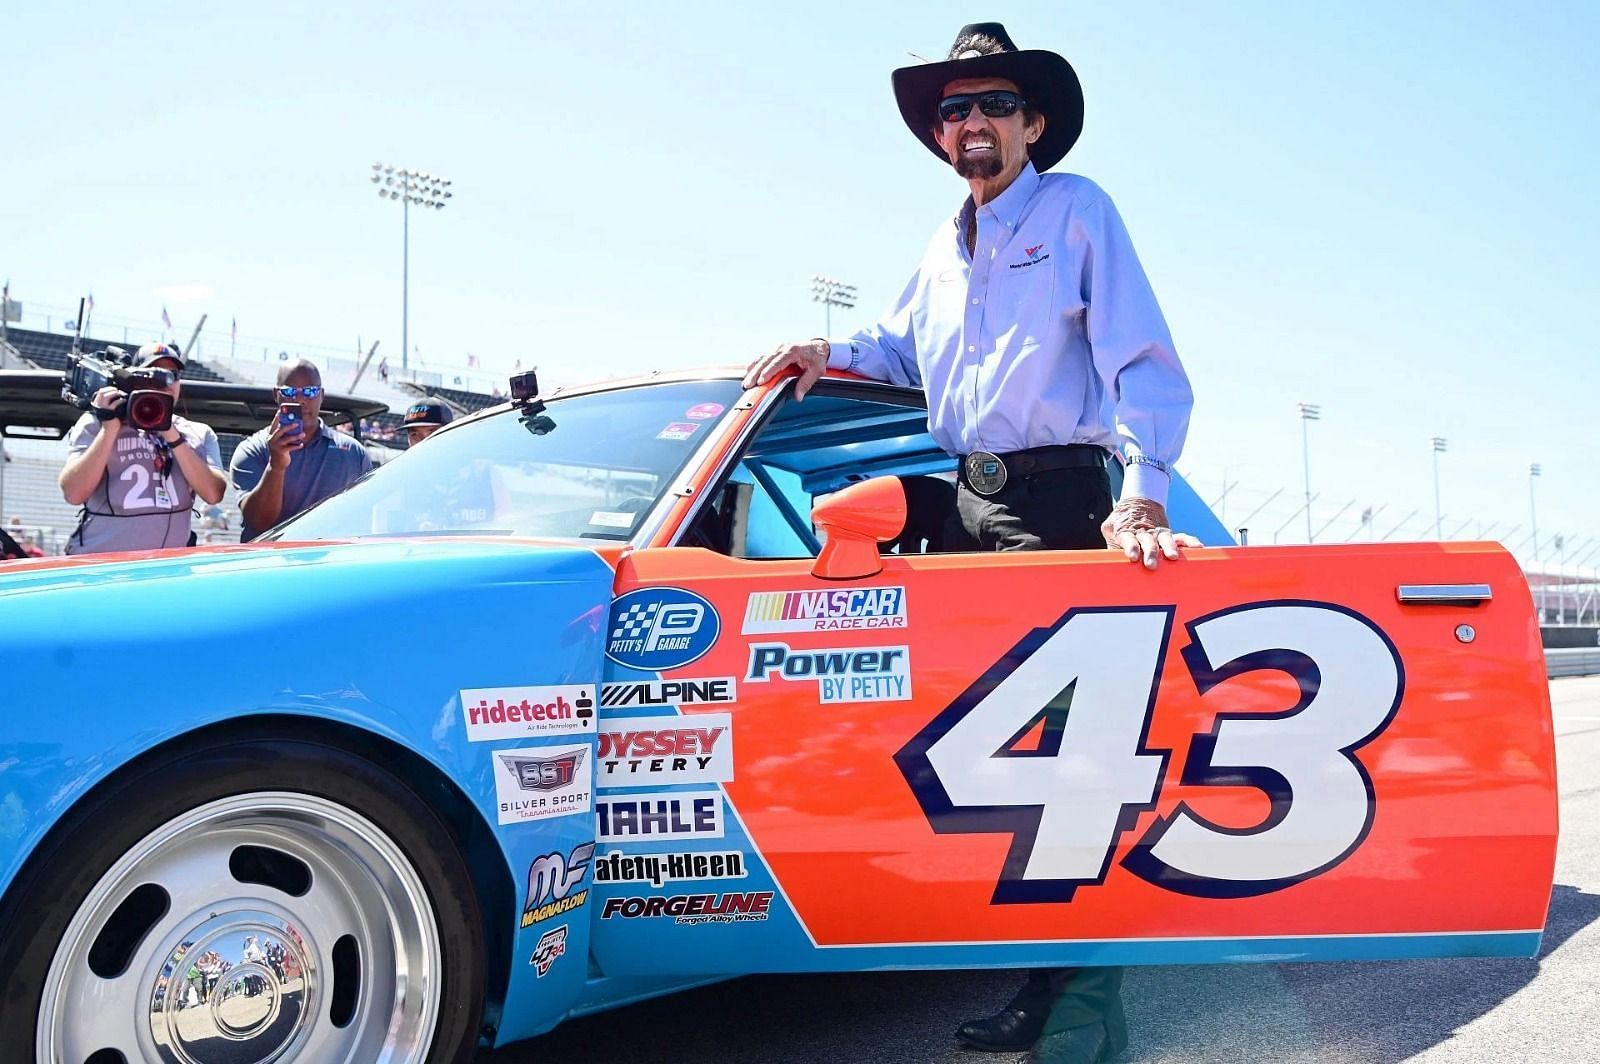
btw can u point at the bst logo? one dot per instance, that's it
(542, 782)
(544, 773)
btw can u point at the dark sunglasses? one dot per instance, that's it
(311, 391)
(997, 104)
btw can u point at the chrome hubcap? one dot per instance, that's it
(259, 928)
(243, 977)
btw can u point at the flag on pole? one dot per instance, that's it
(383, 368)
(472, 361)
(165, 318)
(91, 302)
(236, 328)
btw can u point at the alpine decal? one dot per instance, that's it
(669, 692)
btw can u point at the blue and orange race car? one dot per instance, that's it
(605, 693)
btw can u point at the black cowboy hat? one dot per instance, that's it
(1046, 81)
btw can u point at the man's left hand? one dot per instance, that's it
(1138, 528)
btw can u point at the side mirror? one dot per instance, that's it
(854, 521)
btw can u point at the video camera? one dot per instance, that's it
(144, 408)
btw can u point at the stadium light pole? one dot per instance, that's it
(1439, 444)
(830, 294)
(1533, 512)
(425, 190)
(1308, 412)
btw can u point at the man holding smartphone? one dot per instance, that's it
(296, 461)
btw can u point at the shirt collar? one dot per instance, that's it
(1007, 206)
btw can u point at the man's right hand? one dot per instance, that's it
(811, 357)
(284, 441)
(107, 398)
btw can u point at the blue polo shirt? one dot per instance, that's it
(326, 466)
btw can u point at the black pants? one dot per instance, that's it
(1059, 509)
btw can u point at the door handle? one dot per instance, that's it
(1443, 594)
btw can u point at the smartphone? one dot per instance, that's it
(289, 414)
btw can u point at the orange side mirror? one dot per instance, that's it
(853, 522)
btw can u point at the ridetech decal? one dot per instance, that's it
(693, 908)
(552, 884)
(552, 945)
(668, 692)
(654, 629)
(848, 674)
(1085, 689)
(543, 782)
(825, 611)
(520, 712)
(666, 815)
(649, 751)
(659, 869)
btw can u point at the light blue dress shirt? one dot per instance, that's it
(1048, 333)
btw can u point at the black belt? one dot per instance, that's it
(987, 473)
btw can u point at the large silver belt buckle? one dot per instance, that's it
(986, 473)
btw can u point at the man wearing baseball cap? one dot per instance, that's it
(425, 417)
(1035, 334)
(137, 488)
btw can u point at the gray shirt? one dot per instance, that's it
(135, 506)
(325, 466)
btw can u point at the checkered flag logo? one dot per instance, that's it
(636, 620)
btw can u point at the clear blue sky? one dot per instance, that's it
(1387, 209)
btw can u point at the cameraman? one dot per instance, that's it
(137, 488)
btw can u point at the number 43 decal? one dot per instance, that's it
(1086, 687)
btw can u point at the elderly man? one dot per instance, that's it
(1038, 340)
(137, 488)
(296, 461)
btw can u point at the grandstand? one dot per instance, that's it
(50, 351)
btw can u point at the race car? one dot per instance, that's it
(620, 689)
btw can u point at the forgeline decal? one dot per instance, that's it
(543, 782)
(659, 869)
(552, 945)
(693, 908)
(654, 629)
(648, 751)
(825, 611)
(669, 692)
(521, 712)
(668, 815)
(844, 674)
(553, 882)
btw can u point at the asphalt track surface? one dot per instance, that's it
(1433, 1011)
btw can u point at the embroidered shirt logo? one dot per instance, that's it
(1033, 259)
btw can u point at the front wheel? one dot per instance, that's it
(263, 900)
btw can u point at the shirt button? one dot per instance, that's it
(975, 302)
(972, 347)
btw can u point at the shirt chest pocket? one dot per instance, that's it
(1021, 310)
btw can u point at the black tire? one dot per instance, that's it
(58, 878)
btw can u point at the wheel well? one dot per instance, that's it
(485, 860)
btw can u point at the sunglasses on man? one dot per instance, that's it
(998, 103)
(288, 391)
